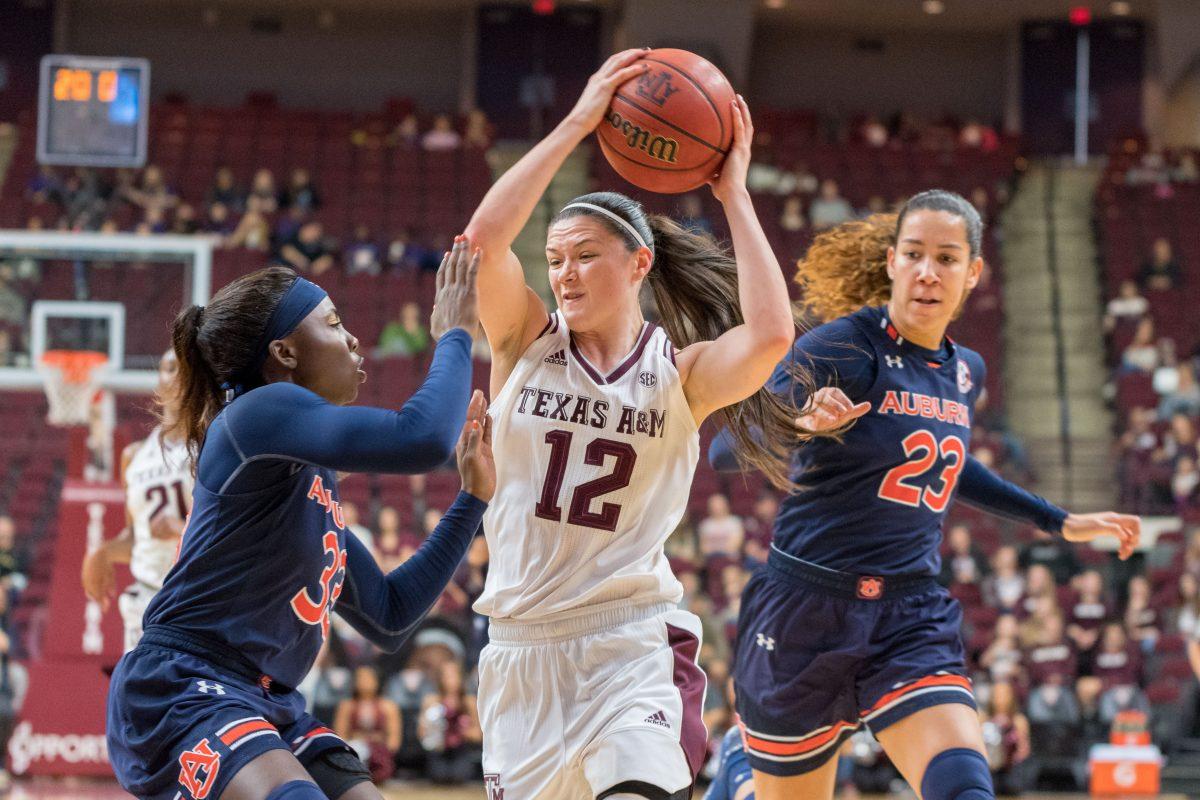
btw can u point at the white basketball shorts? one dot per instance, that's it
(572, 710)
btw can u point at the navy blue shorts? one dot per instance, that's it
(180, 727)
(821, 653)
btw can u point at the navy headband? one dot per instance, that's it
(296, 304)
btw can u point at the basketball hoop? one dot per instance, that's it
(71, 378)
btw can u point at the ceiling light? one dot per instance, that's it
(1120, 8)
(933, 6)
(776, 3)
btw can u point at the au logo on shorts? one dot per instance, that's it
(198, 769)
(870, 588)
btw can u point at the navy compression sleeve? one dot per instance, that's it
(984, 489)
(386, 608)
(287, 422)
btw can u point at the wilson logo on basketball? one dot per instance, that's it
(657, 147)
(655, 87)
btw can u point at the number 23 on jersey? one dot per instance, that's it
(922, 449)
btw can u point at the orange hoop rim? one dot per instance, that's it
(76, 366)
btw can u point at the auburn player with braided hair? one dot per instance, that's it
(847, 625)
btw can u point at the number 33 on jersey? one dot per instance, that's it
(593, 473)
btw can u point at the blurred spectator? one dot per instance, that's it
(791, 219)
(875, 205)
(252, 231)
(7, 357)
(1006, 739)
(1187, 612)
(225, 191)
(1087, 614)
(45, 187)
(692, 214)
(393, 548)
(362, 256)
(1142, 622)
(965, 563)
(300, 193)
(403, 253)
(407, 132)
(1141, 354)
(12, 304)
(1053, 704)
(449, 729)
(326, 685)
(184, 222)
(354, 524)
(12, 559)
(442, 136)
(830, 208)
(1005, 587)
(1055, 553)
(408, 689)
(153, 192)
(307, 251)
(977, 136)
(1161, 271)
(1184, 398)
(1180, 440)
(874, 133)
(760, 529)
(154, 221)
(1186, 171)
(1118, 662)
(370, 724)
(479, 131)
(718, 715)
(263, 193)
(1184, 484)
(721, 532)
(216, 220)
(800, 180)
(1051, 656)
(1191, 555)
(1127, 305)
(1002, 658)
(406, 336)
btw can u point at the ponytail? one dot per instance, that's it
(845, 268)
(216, 343)
(694, 281)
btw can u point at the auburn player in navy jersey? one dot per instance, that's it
(847, 625)
(203, 708)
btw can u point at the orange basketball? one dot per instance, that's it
(668, 129)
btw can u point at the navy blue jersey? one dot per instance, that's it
(874, 500)
(266, 557)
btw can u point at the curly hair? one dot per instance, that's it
(845, 268)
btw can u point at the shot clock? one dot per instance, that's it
(92, 112)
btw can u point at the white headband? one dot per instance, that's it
(637, 237)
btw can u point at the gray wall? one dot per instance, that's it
(925, 72)
(358, 62)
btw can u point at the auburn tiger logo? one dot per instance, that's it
(198, 769)
(870, 588)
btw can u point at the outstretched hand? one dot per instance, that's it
(456, 304)
(597, 95)
(732, 177)
(476, 466)
(1085, 527)
(830, 409)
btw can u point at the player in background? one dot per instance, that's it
(589, 686)
(203, 708)
(847, 625)
(157, 479)
(734, 779)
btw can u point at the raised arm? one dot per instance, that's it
(512, 314)
(736, 364)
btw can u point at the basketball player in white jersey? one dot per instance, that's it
(158, 496)
(589, 686)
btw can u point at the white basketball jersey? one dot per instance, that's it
(592, 474)
(158, 480)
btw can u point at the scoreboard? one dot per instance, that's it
(92, 112)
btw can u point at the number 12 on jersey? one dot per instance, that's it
(579, 512)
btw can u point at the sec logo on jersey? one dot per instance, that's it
(648, 379)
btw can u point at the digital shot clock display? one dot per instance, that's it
(93, 111)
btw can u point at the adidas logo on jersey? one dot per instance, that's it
(559, 358)
(658, 718)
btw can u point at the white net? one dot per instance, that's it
(71, 379)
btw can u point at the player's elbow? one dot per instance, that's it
(775, 339)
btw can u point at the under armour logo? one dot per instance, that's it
(765, 641)
(205, 686)
(894, 361)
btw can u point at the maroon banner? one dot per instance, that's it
(61, 731)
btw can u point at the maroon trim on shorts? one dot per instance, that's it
(690, 681)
